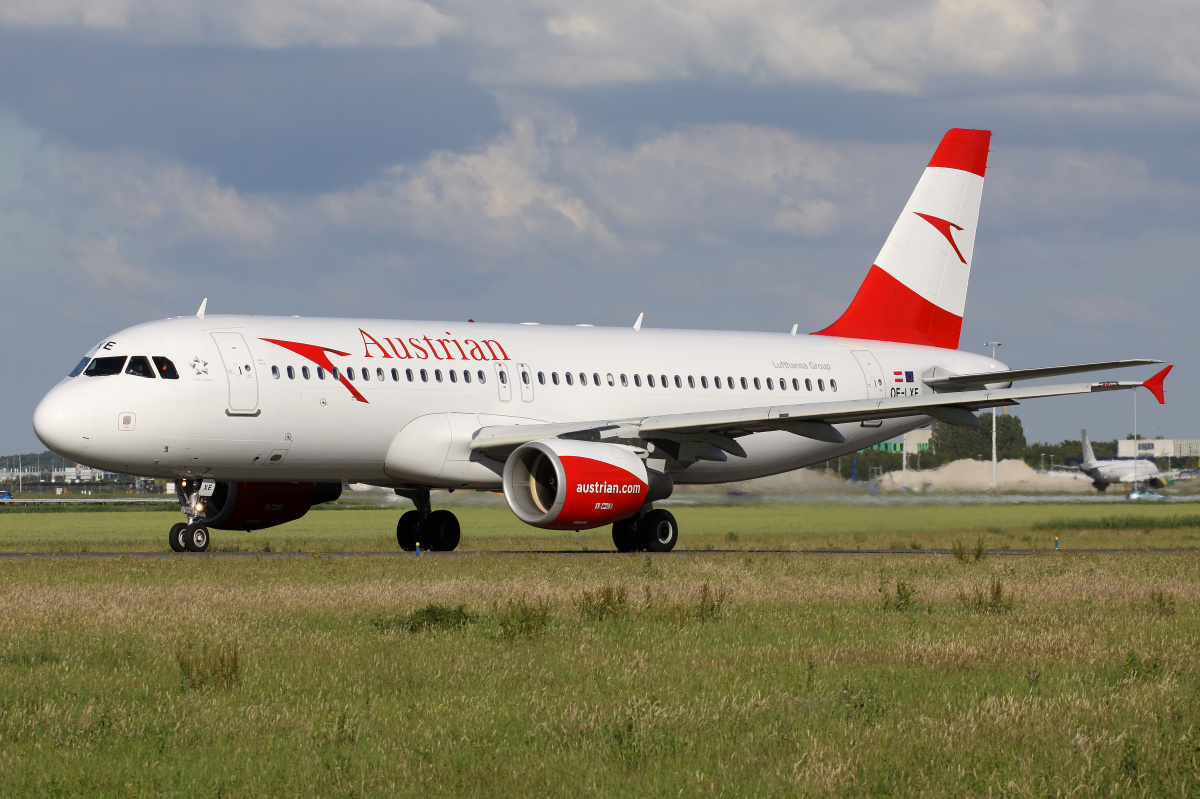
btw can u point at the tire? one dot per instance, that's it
(175, 537)
(195, 538)
(658, 531)
(624, 535)
(407, 530)
(440, 532)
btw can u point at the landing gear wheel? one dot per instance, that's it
(175, 537)
(439, 531)
(624, 535)
(407, 530)
(658, 531)
(195, 538)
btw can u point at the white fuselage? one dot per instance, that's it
(242, 409)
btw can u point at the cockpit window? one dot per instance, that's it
(78, 370)
(102, 367)
(166, 369)
(139, 366)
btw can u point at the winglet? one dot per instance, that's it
(203, 305)
(638, 324)
(1155, 384)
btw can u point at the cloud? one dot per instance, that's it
(255, 23)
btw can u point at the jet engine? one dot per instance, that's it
(560, 484)
(252, 506)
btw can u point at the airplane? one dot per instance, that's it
(258, 419)
(1123, 470)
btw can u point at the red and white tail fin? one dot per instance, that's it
(917, 289)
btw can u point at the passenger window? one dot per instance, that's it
(795, 384)
(570, 379)
(554, 378)
(716, 382)
(624, 381)
(79, 367)
(424, 376)
(678, 382)
(453, 376)
(832, 384)
(757, 385)
(466, 375)
(541, 378)
(379, 374)
(320, 373)
(611, 383)
(304, 372)
(807, 384)
(650, 380)
(745, 385)
(596, 379)
(770, 384)
(729, 382)
(291, 373)
(783, 384)
(503, 378)
(524, 377)
(103, 367)
(334, 373)
(665, 382)
(408, 375)
(691, 382)
(139, 366)
(582, 379)
(275, 372)
(637, 380)
(482, 377)
(366, 373)
(350, 373)
(820, 385)
(166, 369)
(437, 375)
(395, 375)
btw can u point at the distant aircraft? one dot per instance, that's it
(259, 418)
(1124, 470)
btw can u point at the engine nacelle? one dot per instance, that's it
(254, 506)
(561, 484)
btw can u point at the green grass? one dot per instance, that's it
(745, 527)
(625, 675)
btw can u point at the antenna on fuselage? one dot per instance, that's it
(795, 327)
(638, 324)
(200, 313)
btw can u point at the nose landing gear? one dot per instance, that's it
(436, 530)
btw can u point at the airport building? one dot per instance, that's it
(1159, 448)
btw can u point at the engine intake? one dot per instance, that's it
(559, 484)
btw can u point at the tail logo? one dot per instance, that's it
(942, 226)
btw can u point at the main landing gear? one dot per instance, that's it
(652, 531)
(436, 530)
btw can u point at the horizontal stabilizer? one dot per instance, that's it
(981, 379)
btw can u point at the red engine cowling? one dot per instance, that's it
(561, 484)
(253, 506)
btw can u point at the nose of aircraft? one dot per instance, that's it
(64, 421)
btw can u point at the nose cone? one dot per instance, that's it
(64, 421)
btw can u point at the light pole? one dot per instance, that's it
(993, 345)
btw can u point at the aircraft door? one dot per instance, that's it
(525, 374)
(503, 384)
(872, 372)
(240, 372)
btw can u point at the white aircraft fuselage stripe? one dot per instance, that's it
(321, 431)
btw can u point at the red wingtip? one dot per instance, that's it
(1155, 384)
(963, 149)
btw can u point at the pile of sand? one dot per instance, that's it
(973, 475)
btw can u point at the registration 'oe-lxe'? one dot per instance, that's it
(259, 418)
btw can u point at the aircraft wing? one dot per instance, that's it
(718, 429)
(953, 382)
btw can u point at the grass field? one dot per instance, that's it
(37, 529)
(717, 674)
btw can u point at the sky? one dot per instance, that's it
(728, 164)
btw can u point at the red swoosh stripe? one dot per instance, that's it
(316, 354)
(884, 309)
